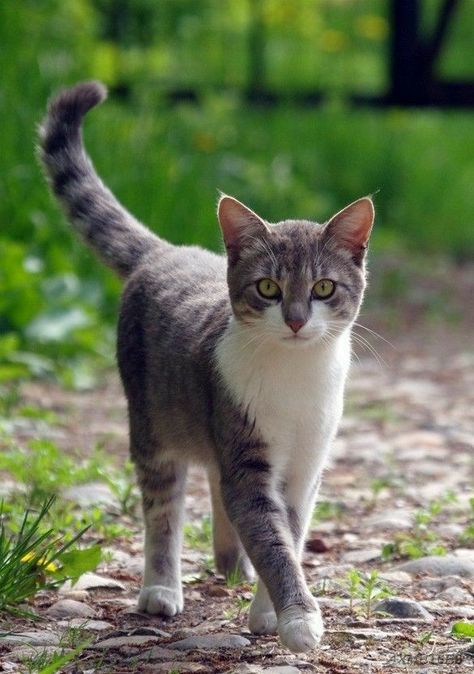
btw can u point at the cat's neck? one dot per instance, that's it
(247, 352)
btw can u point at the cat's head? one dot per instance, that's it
(296, 282)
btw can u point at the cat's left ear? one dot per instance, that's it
(238, 223)
(351, 227)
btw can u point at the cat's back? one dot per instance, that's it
(174, 308)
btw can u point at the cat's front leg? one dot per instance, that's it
(162, 488)
(260, 516)
(299, 494)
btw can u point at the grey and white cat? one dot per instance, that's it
(238, 363)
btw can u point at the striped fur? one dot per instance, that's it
(249, 386)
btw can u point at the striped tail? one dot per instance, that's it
(105, 225)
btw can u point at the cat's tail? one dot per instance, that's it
(119, 239)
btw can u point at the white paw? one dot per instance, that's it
(158, 599)
(262, 622)
(300, 630)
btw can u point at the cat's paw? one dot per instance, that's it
(262, 622)
(158, 599)
(300, 630)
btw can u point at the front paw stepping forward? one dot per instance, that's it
(160, 600)
(300, 630)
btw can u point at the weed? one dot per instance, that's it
(32, 560)
(199, 536)
(122, 484)
(45, 662)
(467, 535)
(327, 510)
(422, 540)
(234, 578)
(365, 589)
(241, 605)
(425, 638)
(463, 630)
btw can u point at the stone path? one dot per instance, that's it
(406, 445)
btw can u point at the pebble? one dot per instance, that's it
(210, 642)
(32, 638)
(361, 556)
(362, 633)
(125, 641)
(389, 520)
(246, 668)
(218, 591)
(439, 584)
(92, 581)
(70, 608)
(396, 577)
(456, 595)
(157, 653)
(449, 565)
(90, 625)
(27, 652)
(78, 595)
(316, 544)
(403, 608)
(176, 666)
(91, 494)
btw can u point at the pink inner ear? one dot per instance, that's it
(352, 225)
(237, 221)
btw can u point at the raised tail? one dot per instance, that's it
(119, 239)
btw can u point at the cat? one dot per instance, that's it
(237, 362)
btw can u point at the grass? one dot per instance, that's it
(422, 539)
(34, 559)
(58, 304)
(364, 589)
(199, 535)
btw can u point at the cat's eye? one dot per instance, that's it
(268, 289)
(323, 289)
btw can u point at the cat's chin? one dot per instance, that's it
(301, 341)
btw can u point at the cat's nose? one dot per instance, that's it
(295, 325)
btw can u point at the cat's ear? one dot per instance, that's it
(351, 227)
(238, 223)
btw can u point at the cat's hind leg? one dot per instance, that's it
(230, 557)
(162, 486)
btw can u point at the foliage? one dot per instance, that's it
(467, 535)
(463, 630)
(327, 510)
(364, 589)
(422, 539)
(57, 304)
(199, 535)
(45, 662)
(33, 560)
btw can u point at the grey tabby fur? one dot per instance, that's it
(216, 373)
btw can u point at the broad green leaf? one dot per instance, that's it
(463, 629)
(76, 562)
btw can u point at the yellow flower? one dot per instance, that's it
(372, 27)
(45, 566)
(333, 40)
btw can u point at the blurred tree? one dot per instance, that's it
(413, 58)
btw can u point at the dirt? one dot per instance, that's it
(406, 441)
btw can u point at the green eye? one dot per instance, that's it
(323, 288)
(268, 289)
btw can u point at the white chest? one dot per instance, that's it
(294, 394)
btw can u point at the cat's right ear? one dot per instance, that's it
(238, 224)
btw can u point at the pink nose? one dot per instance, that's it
(295, 325)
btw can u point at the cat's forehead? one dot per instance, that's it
(297, 245)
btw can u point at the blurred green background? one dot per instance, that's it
(166, 161)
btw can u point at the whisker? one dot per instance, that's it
(375, 334)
